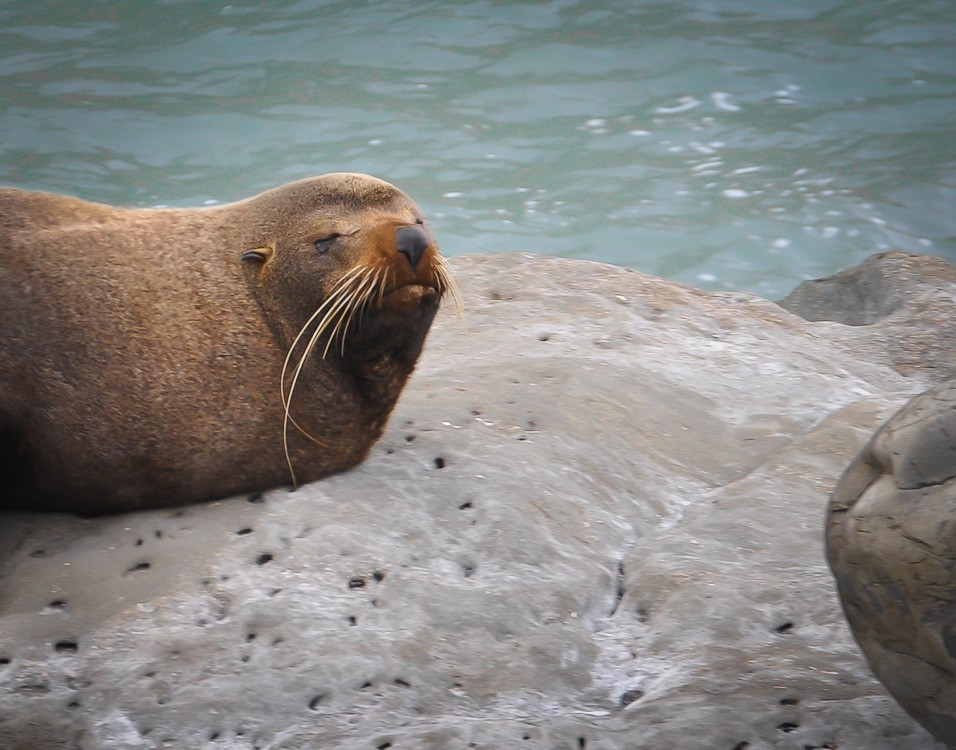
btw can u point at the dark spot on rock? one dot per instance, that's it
(250, 637)
(353, 620)
(402, 683)
(789, 701)
(356, 583)
(631, 695)
(318, 700)
(743, 745)
(65, 647)
(618, 588)
(264, 558)
(465, 505)
(543, 337)
(255, 497)
(787, 727)
(274, 592)
(243, 531)
(57, 604)
(139, 543)
(138, 567)
(378, 575)
(213, 736)
(73, 704)
(158, 534)
(409, 438)
(467, 570)
(784, 628)
(439, 463)
(38, 553)
(582, 743)
(383, 745)
(365, 685)
(4, 660)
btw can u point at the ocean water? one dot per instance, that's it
(730, 144)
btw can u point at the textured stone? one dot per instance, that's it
(891, 541)
(594, 522)
(895, 290)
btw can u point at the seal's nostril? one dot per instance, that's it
(411, 242)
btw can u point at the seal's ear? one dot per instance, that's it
(259, 255)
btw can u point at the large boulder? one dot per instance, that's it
(593, 522)
(891, 541)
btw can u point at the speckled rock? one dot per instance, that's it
(593, 523)
(891, 541)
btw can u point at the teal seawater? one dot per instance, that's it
(730, 144)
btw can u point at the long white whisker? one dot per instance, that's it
(333, 302)
(331, 299)
(341, 327)
(361, 304)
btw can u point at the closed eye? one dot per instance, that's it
(323, 244)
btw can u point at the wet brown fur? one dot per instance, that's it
(141, 350)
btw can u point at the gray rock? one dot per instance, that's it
(594, 522)
(887, 288)
(891, 541)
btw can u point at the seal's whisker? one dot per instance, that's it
(336, 300)
(362, 304)
(383, 285)
(343, 300)
(330, 300)
(447, 283)
(345, 314)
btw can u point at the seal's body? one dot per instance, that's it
(150, 357)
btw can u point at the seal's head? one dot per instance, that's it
(346, 266)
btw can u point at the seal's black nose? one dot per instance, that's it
(411, 242)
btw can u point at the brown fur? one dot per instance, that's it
(141, 350)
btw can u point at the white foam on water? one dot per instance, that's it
(684, 104)
(722, 101)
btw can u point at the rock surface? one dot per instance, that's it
(891, 541)
(594, 522)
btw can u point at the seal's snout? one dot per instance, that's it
(412, 243)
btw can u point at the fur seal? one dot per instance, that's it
(160, 357)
